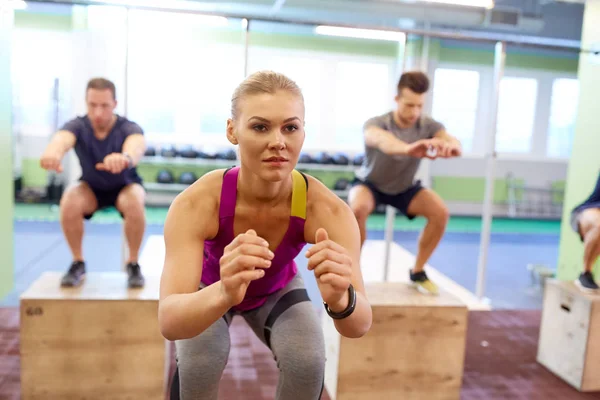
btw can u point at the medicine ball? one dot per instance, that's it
(359, 159)
(165, 176)
(168, 151)
(188, 152)
(229, 155)
(341, 159)
(150, 151)
(323, 158)
(187, 178)
(341, 184)
(305, 158)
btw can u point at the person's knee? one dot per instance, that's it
(131, 205)
(589, 223)
(72, 207)
(362, 208)
(306, 363)
(439, 215)
(197, 358)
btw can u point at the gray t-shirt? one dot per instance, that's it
(395, 174)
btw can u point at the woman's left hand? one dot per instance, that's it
(332, 266)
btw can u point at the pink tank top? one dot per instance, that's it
(283, 267)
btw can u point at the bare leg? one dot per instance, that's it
(362, 203)
(130, 203)
(427, 203)
(589, 226)
(77, 201)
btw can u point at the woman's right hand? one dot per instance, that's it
(243, 261)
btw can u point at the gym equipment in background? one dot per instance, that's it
(96, 351)
(227, 155)
(168, 151)
(358, 159)
(165, 176)
(187, 178)
(340, 159)
(342, 184)
(323, 158)
(305, 158)
(150, 151)
(188, 152)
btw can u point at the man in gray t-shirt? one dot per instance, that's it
(395, 142)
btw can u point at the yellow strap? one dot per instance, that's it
(298, 195)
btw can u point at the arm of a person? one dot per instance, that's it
(61, 142)
(442, 134)
(135, 147)
(334, 215)
(384, 140)
(135, 143)
(184, 311)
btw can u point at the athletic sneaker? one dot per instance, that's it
(136, 279)
(423, 283)
(75, 275)
(586, 282)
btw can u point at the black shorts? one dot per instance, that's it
(105, 199)
(399, 201)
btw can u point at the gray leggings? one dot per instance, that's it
(287, 323)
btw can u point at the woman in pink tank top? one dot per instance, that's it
(231, 239)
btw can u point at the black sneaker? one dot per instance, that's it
(74, 276)
(586, 282)
(136, 279)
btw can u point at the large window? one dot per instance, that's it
(39, 94)
(455, 101)
(563, 113)
(362, 92)
(307, 72)
(181, 93)
(516, 114)
(345, 81)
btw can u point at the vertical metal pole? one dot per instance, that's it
(390, 217)
(124, 244)
(425, 51)
(390, 212)
(126, 77)
(490, 157)
(246, 26)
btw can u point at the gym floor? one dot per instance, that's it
(508, 337)
(504, 368)
(39, 246)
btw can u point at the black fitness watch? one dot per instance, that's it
(349, 310)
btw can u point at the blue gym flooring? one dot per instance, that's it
(39, 247)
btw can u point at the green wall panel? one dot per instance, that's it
(6, 156)
(584, 162)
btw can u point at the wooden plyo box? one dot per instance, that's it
(569, 343)
(414, 350)
(99, 341)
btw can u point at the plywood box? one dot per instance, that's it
(414, 350)
(98, 341)
(569, 343)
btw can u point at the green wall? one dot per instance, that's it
(584, 163)
(514, 59)
(6, 156)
